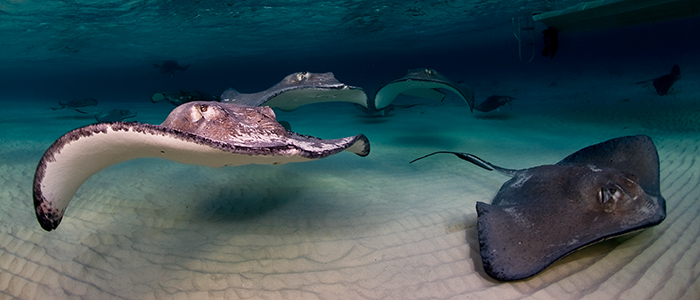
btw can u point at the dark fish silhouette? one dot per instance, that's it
(493, 102)
(551, 42)
(170, 66)
(76, 103)
(107, 116)
(547, 212)
(664, 83)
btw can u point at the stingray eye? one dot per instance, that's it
(610, 194)
(602, 196)
(203, 108)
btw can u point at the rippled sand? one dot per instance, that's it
(348, 227)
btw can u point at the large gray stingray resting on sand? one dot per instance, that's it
(547, 212)
(203, 133)
(299, 89)
(422, 83)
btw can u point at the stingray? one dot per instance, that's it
(493, 102)
(663, 84)
(112, 115)
(299, 89)
(181, 97)
(422, 83)
(76, 103)
(170, 66)
(547, 212)
(211, 134)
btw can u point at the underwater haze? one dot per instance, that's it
(345, 226)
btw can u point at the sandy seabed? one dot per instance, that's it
(348, 227)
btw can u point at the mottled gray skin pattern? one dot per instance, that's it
(547, 212)
(226, 122)
(295, 81)
(252, 127)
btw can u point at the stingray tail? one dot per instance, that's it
(475, 160)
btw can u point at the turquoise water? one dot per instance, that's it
(343, 227)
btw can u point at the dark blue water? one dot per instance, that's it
(456, 47)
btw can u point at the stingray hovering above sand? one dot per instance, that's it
(663, 83)
(493, 102)
(299, 89)
(547, 212)
(76, 103)
(211, 134)
(422, 83)
(112, 115)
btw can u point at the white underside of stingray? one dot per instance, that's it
(299, 89)
(293, 99)
(422, 83)
(201, 133)
(304, 88)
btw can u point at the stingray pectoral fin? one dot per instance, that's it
(390, 91)
(82, 152)
(358, 144)
(505, 244)
(490, 247)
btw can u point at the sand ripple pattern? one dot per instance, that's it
(340, 228)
